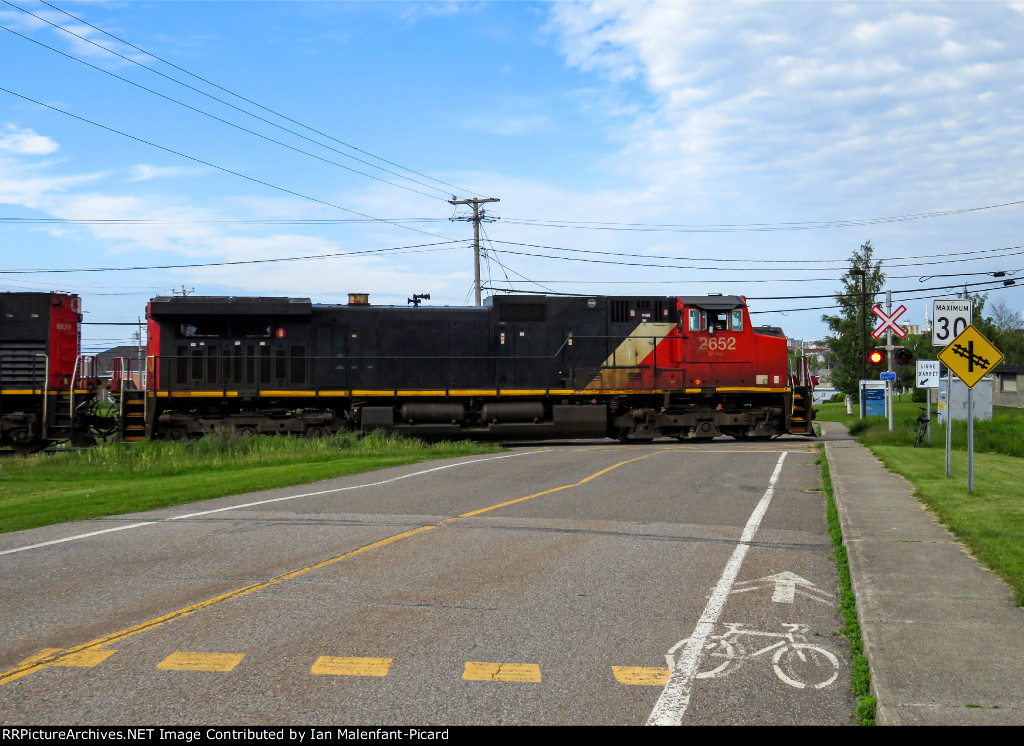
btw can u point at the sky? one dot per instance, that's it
(310, 149)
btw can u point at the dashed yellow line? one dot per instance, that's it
(522, 673)
(57, 657)
(519, 673)
(641, 676)
(181, 661)
(352, 666)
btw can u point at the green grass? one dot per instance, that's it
(1004, 433)
(860, 679)
(113, 479)
(990, 522)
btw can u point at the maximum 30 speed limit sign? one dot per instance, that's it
(950, 317)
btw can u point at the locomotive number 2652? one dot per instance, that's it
(716, 344)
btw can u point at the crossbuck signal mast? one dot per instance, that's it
(478, 215)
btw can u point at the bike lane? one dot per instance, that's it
(767, 649)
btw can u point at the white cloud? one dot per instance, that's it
(25, 141)
(759, 102)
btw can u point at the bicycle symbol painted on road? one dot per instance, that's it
(795, 661)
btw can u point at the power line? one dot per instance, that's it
(213, 165)
(717, 280)
(254, 221)
(1014, 250)
(755, 227)
(826, 295)
(414, 249)
(232, 93)
(225, 121)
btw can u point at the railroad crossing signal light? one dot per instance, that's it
(903, 356)
(877, 357)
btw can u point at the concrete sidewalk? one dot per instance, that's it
(943, 639)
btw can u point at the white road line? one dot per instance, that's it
(675, 698)
(264, 502)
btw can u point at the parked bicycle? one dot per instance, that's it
(922, 425)
(795, 661)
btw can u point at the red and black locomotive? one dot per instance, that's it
(523, 366)
(47, 389)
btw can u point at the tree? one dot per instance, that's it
(853, 323)
(1004, 317)
(1005, 330)
(1001, 326)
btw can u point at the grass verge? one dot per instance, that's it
(989, 521)
(119, 478)
(860, 670)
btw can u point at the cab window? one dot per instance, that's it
(696, 320)
(718, 321)
(737, 321)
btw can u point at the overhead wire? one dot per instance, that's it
(240, 221)
(506, 268)
(226, 103)
(413, 249)
(756, 227)
(225, 121)
(213, 165)
(1009, 251)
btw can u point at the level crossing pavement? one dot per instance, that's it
(943, 639)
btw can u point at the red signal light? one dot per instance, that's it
(876, 357)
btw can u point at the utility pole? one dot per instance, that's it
(863, 335)
(478, 215)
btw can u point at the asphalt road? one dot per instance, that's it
(545, 585)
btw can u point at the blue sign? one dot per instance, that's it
(888, 375)
(874, 402)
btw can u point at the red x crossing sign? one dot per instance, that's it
(888, 322)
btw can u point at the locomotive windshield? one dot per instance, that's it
(715, 320)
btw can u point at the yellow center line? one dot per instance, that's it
(55, 657)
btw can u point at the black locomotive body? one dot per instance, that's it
(521, 367)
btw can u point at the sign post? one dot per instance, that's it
(971, 357)
(887, 326)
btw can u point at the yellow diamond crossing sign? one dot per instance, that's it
(970, 356)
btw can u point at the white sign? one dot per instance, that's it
(949, 319)
(927, 374)
(888, 322)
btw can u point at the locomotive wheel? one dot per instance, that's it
(246, 432)
(175, 433)
(315, 432)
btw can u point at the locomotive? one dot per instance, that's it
(47, 389)
(521, 367)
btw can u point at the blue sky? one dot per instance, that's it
(759, 131)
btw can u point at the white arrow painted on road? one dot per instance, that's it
(786, 584)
